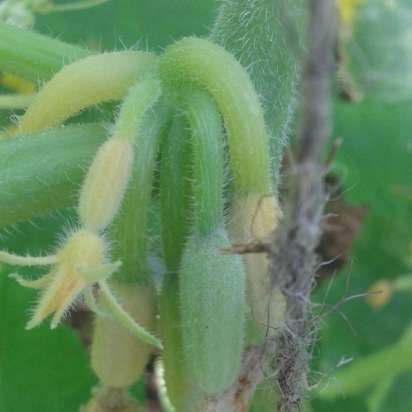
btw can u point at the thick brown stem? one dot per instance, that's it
(293, 256)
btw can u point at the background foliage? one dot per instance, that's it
(47, 371)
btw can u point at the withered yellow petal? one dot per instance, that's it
(57, 297)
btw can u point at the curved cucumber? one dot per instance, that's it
(211, 285)
(209, 67)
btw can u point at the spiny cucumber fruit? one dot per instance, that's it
(204, 336)
(117, 357)
(211, 287)
(174, 207)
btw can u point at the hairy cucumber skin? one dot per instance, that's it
(180, 389)
(174, 207)
(212, 307)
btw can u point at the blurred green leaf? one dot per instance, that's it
(125, 23)
(375, 163)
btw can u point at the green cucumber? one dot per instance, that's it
(212, 288)
(211, 284)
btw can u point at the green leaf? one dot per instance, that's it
(374, 162)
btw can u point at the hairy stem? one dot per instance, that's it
(33, 166)
(130, 228)
(15, 101)
(125, 319)
(293, 258)
(266, 36)
(33, 56)
(90, 81)
(197, 63)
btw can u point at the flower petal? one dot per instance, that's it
(57, 297)
(13, 259)
(64, 307)
(96, 273)
(35, 283)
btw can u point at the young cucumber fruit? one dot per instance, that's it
(117, 357)
(212, 312)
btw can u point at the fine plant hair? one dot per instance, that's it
(293, 260)
(228, 108)
(266, 36)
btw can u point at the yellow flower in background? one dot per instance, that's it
(347, 10)
(379, 293)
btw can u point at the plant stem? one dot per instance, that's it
(33, 56)
(197, 63)
(208, 161)
(140, 98)
(130, 228)
(358, 376)
(266, 37)
(15, 101)
(240, 394)
(33, 166)
(293, 258)
(174, 191)
(403, 283)
(90, 81)
(174, 195)
(379, 393)
(12, 259)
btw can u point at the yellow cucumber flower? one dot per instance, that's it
(78, 265)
